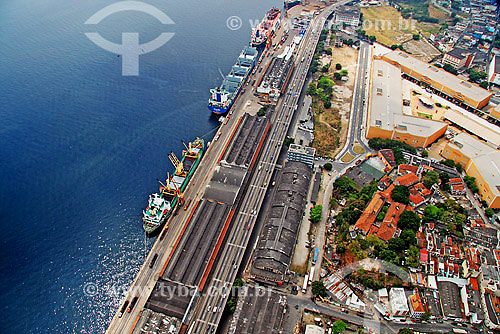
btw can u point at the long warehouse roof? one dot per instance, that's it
(439, 75)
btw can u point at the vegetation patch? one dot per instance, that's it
(358, 149)
(347, 157)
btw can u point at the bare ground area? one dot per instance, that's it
(389, 27)
(330, 125)
(421, 49)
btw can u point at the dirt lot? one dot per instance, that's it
(421, 49)
(331, 125)
(387, 24)
(439, 13)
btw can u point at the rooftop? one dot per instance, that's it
(370, 213)
(450, 299)
(397, 298)
(416, 303)
(386, 107)
(489, 166)
(407, 179)
(458, 53)
(278, 235)
(470, 146)
(474, 124)
(302, 149)
(449, 80)
(259, 310)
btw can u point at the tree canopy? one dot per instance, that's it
(409, 220)
(431, 178)
(318, 289)
(339, 326)
(315, 213)
(401, 194)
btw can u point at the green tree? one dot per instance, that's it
(471, 183)
(396, 244)
(315, 213)
(375, 241)
(328, 166)
(340, 249)
(329, 51)
(405, 331)
(432, 213)
(431, 178)
(318, 289)
(400, 194)
(426, 316)
(409, 220)
(476, 76)
(311, 89)
(425, 154)
(339, 326)
(337, 75)
(325, 83)
(338, 66)
(288, 141)
(444, 177)
(355, 248)
(389, 256)
(408, 236)
(327, 104)
(484, 84)
(413, 257)
(489, 212)
(450, 69)
(345, 185)
(416, 37)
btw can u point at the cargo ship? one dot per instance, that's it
(266, 27)
(160, 206)
(222, 97)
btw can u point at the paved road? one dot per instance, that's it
(359, 103)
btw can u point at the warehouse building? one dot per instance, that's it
(463, 93)
(479, 160)
(386, 118)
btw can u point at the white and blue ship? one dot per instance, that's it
(222, 97)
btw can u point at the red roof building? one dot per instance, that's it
(390, 223)
(404, 169)
(370, 213)
(407, 179)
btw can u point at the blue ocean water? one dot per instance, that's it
(81, 146)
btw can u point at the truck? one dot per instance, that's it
(311, 275)
(304, 286)
(132, 304)
(315, 256)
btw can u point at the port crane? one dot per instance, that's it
(179, 167)
(168, 190)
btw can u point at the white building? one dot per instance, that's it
(398, 302)
(348, 15)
